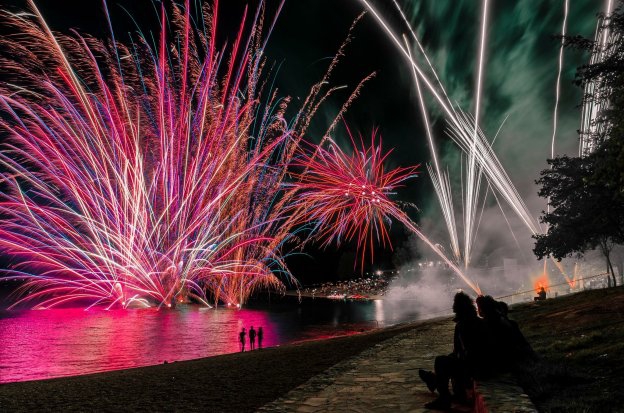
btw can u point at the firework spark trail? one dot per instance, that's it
(608, 10)
(443, 190)
(492, 167)
(473, 183)
(462, 131)
(593, 107)
(470, 192)
(441, 182)
(349, 196)
(442, 186)
(496, 175)
(558, 84)
(422, 50)
(558, 90)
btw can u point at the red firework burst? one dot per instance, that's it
(348, 195)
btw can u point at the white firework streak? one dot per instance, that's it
(463, 132)
(441, 182)
(590, 129)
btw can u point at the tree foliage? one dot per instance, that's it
(583, 213)
(570, 199)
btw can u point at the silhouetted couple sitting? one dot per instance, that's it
(482, 347)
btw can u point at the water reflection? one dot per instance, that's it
(53, 343)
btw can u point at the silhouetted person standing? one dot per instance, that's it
(252, 338)
(241, 339)
(260, 336)
(469, 358)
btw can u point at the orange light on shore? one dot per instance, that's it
(541, 282)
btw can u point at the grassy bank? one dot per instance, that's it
(581, 340)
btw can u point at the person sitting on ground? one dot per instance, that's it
(503, 309)
(526, 351)
(469, 359)
(513, 348)
(541, 294)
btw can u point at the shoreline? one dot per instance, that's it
(167, 362)
(344, 334)
(228, 382)
(580, 338)
(347, 330)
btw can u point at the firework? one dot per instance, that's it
(466, 133)
(141, 175)
(152, 174)
(566, 7)
(349, 196)
(591, 128)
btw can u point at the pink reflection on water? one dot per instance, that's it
(54, 343)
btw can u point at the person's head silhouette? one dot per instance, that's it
(463, 306)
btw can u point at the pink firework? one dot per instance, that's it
(141, 175)
(151, 175)
(348, 195)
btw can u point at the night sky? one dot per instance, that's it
(521, 69)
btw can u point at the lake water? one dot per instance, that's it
(54, 343)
